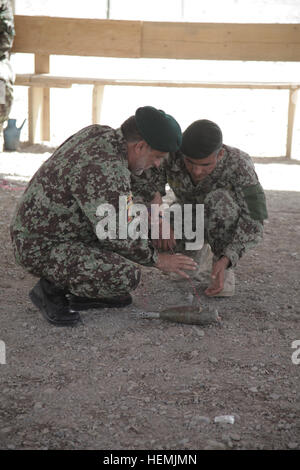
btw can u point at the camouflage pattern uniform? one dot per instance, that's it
(54, 228)
(234, 201)
(7, 34)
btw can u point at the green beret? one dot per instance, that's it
(160, 130)
(201, 139)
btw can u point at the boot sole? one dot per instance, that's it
(78, 307)
(37, 301)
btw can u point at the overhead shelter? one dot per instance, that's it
(44, 36)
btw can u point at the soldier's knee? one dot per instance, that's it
(133, 277)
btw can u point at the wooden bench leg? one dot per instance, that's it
(35, 109)
(98, 91)
(291, 118)
(39, 104)
(45, 131)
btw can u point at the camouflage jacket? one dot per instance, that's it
(60, 202)
(7, 31)
(234, 172)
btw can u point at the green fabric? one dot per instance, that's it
(160, 130)
(201, 139)
(256, 201)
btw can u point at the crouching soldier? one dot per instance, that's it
(54, 229)
(206, 171)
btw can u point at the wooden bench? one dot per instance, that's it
(44, 36)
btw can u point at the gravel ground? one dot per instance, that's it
(120, 382)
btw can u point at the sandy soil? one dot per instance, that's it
(120, 382)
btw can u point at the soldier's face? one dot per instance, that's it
(145, 157)
(199, 169)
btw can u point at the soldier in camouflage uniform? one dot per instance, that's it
(7, 33)
(206, 171)
(54, 229)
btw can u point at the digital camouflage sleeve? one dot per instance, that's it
(235, 173)
(61, 200)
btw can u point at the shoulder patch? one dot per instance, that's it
(256, 201)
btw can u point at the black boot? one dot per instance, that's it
(85, 303)
(53, 304)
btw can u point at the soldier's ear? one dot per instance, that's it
(140, 145)
(220, 154)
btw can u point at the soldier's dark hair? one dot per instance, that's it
(130, 131)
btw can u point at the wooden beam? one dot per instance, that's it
(77, 36)
(112, 38)
(291, 118)
(46, 80)
(217, 41)
(98, 91)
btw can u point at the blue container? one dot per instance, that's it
(11, 135)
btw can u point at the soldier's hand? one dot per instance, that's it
(176, 263)
(161, 243)
(217, 276)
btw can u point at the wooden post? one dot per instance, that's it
(98, 91)
(291, 118)
(39, 104)
(35, 100)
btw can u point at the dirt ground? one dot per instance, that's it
(120, 382)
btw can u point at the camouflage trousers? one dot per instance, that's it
(221, 213)
(82, 269)
(5, 108)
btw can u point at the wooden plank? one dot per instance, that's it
(62, 81)
(73, 36)
(31, 79)
(42, 65)
(291, 119)
(217, 41)
(35, 99)
(112, 38)
(98, 91)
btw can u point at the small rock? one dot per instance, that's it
(183, 441)
(194, 353)
(253, 389)
(214, 445)
(203, 419)
(199, 332)
(225, 419)
(11, 447)
(199, 421)
(38, 406)
(292, 445)
(6, 430)
(274, 396)
(235, 437)
(213, 360)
